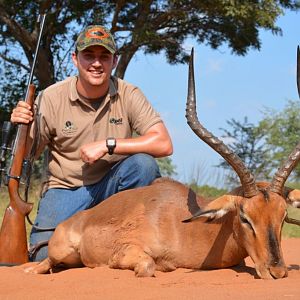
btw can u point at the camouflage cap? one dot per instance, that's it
(96, 35)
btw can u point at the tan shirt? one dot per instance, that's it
(67, 122)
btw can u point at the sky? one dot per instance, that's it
(227, 86)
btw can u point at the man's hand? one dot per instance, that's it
(21, 113)
(89, 153)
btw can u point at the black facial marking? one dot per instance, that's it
(244, 220)
(273, 247)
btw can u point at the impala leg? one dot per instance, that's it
(134, 258)
(41, 268)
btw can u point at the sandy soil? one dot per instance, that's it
(104, 283)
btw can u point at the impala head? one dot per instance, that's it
(258, 229)
(259, 208)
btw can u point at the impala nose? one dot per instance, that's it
(278, 272)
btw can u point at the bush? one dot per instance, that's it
(207, 191)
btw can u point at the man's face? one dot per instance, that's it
(94, 65)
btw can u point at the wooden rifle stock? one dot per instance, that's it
(13, 237)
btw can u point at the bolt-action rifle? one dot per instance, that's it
(13, 237)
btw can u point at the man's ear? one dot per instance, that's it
(115, 60)
(216, 209)
(74, 59)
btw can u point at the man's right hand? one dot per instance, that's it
(21, 113)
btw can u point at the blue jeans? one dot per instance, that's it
(59, 204)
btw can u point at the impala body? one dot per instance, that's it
(142, 230)
(165, 226)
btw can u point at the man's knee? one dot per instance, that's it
(145, 162)
(145, 165)
(138, 170)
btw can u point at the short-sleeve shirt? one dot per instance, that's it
(67, 122)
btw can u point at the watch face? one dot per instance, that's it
(111, 142)
(111, 145)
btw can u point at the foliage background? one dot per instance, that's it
(149, 27)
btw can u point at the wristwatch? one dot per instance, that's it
(111, 145)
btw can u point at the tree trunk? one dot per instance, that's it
(44, 71)
(124, 60)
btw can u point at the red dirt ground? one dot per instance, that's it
(105, 283)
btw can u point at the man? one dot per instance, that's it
(87, 122)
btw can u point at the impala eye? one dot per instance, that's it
(245, 221)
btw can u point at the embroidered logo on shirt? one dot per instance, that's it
(116, 121)
(69, 128)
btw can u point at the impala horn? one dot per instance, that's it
(246, 178)
(287, 167)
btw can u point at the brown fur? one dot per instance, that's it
(142, 230)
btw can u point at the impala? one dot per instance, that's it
(166, 226)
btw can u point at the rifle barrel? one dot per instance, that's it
(42, 21)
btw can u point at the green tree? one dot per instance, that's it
(282, 134)
(150, 26)
(248, 142)
(166, 166)
(207, 191)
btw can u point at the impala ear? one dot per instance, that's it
(293, 198)
(216, 209)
